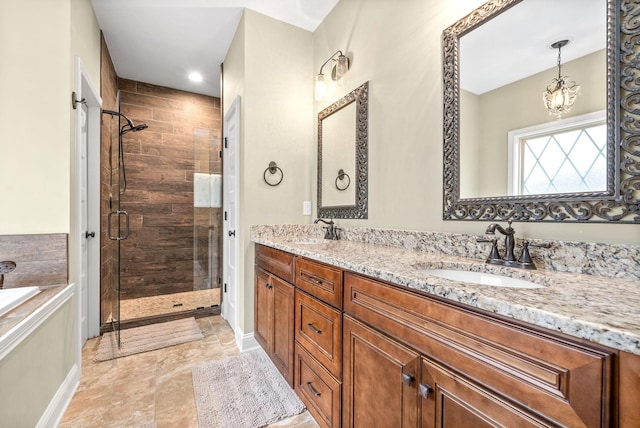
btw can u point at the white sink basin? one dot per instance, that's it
(482, 278)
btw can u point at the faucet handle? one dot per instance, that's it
(525, 257)
(495, 254)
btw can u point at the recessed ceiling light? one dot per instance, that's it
(195, 77)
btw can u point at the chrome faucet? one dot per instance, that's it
(331, 232)
(509, 259)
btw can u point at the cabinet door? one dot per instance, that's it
(263, 310)
(449, 400)
(283, 320)
(380, 380)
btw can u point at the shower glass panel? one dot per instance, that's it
(207, 218)
(110, 299)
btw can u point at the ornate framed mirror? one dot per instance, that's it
(343, 156)
(506, 154)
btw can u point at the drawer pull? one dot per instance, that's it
(314, 280)
(313, 390)
(315, 330)
(424, 391)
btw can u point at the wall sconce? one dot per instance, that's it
(338, 71)
(559, 96)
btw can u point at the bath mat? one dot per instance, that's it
(148, 338)
(245, 391)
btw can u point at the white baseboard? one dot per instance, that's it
(58, 404)
(245, 342)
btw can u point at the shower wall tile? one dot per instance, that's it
(167, 250)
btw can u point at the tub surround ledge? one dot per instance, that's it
(590, 290)
(18, 323)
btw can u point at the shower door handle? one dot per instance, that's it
(126, 225)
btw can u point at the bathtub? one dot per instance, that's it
(12, 297)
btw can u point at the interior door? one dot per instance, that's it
(84, 206)
(231, 235)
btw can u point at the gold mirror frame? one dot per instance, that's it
(620, 203)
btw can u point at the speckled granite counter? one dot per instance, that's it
(602, 309)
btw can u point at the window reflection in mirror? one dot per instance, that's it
(503, 73)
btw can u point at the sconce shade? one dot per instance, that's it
(341, 67)
(559, 96)
(320, 88)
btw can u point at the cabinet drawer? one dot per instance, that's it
(317, 389)
(567, 382)
(320, 280)
(275, 261)
(319, 330)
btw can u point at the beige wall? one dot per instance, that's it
(38, 43)
(269, 65)
(31, 374)
(35, 46)
(398, 50)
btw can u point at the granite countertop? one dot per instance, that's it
(600, 309)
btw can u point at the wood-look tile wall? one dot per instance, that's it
(40, 259)
(108, 185)
(167, 250)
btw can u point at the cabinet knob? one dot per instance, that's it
(231, 233)
(269, 286)
(407, 378)
(313, 390)
(424, 391)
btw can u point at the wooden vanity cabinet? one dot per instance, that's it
(476, 370)
(318, 336)
(274, 308)
(380, 379)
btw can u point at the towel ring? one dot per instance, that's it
(341, 175)
(272, 169)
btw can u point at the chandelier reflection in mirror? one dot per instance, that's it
(559, 96)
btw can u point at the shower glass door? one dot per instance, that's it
(169, 264)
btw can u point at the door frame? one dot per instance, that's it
(86, 93)
(232, 115)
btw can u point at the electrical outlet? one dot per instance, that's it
(306, 208)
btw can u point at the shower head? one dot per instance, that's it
(130, 127)
(127, 127)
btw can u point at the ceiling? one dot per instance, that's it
(516, 43)
(162, 41)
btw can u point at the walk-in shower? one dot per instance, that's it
(161, 252)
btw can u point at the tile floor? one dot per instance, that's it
(168, 303)
(155, 386)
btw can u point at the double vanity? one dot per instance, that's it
(368, 335)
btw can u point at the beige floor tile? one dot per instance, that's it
(117, 405)
(175, 403)
(155, 386)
